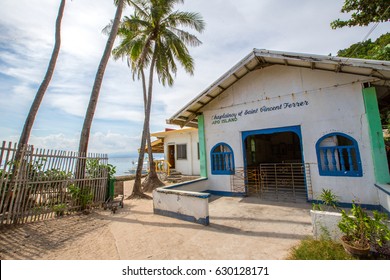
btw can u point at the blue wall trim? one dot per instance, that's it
(223, 193)
(382, 189)
(370, 207)
(184, 183)
(180, 216)
(296, 129)
(200, 195)
(384, 210)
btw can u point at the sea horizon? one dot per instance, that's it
(123, 164)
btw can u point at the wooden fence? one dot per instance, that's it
(41, 183)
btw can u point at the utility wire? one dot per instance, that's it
(368, 34)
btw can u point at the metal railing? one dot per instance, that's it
(284, 180)
(163, 165)
(281, 181)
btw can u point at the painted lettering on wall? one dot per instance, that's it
(224, 118)
(229, 117)
(285, 105)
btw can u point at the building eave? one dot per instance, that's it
(260, 58)
(163, 134)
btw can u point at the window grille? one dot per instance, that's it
(222, 159)
(338, 155)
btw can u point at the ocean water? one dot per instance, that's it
(123, 165)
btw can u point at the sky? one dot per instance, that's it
(233, 30)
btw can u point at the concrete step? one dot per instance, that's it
(174, 180)
(174, 176)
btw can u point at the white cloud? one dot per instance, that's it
(233, 29)
(72, 104)
(113, 142)
(100, 142)
(55, 141)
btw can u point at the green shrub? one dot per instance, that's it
(60, 209)
(328, 199)
(323, 249)
(81, 196)
(94, 169)
(361, 230)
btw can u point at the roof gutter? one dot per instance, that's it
(260, 58)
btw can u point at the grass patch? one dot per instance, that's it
(323, 249)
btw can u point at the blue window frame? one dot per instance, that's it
(222, 159)
(338, 155)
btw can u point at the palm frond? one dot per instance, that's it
(187, 38)
(155, 30)
(185, 19)
(140, 6)
(107, 29)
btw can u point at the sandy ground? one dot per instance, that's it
(241, 228)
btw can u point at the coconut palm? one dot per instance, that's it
(152, 38)
(85, 132)
(25, 135)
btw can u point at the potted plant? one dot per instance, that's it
(356, 230)
(362, 231)
(380, 233)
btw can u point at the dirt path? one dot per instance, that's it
(69, 237)
(239, 229)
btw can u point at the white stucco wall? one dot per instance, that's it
(384, 196)
(329, 102)
(191, 165)
(325, 224)
(185, 205)
(197, 185)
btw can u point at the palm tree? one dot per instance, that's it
(25, 135)
(85, 132)
(152, 38)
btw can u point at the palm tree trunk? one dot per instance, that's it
(25, 135)
(152, 181)
(85, 133)
(137, 190)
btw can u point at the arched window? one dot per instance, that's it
(222, 159)
(338, 155)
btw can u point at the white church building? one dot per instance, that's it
(285, 126)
